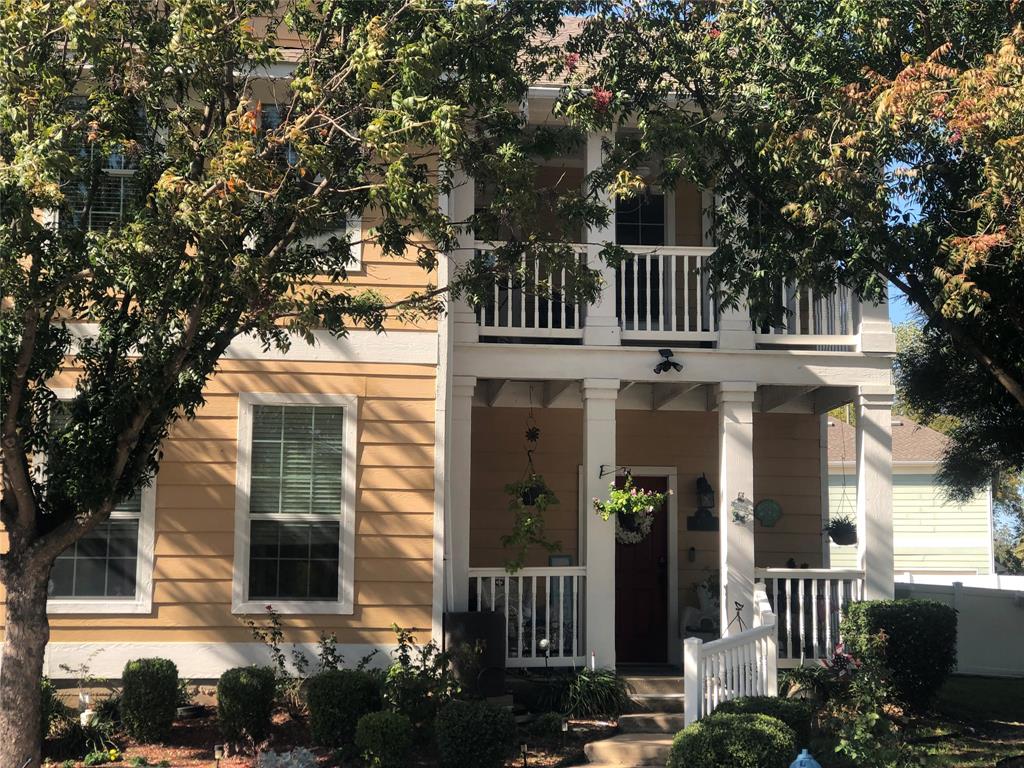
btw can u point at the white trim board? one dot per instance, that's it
(240, 602)
(202, 661)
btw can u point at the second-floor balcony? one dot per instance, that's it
(661, 295)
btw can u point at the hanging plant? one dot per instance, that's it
(633, 508)
(528, 499)
(842, 530)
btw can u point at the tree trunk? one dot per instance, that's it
(25, 636)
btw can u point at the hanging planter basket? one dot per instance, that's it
(842, 531)
(634, 509)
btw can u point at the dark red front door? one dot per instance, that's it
(641, 589)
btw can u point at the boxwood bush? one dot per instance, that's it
(474, 733)
(149, 698)
(337, 699)
(726, 740)
(796, 713)
(920, 646)
(385, 739)
(245, 703)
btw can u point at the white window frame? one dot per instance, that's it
(240, 602)
(143, 600)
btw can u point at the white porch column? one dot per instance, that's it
(874, 491)
(461, 460)
(599, 397)
(601, 325)
(462, 203)
(736, 477)
(875, 328)
(734, 329)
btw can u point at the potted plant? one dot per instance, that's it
(532, 491)
(633, 508)
(842, 530)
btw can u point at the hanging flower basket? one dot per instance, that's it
(634, 510)
(842, 530)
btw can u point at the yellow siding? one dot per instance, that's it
(929, 532)
(195, 507)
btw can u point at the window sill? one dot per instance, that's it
(58, 606)
(292, 607)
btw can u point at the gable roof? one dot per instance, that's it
(911, 442)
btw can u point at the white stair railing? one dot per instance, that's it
(538, 604)
(809, 603)
(744, 664)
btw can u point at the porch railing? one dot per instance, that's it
(744, 664)
(531, 303)
(538, 604)
(811, 319)
(809, 603)
(661, 294)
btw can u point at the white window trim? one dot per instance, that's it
(240, 602)
(143, 600)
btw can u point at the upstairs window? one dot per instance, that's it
(640, 220)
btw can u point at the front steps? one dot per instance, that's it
(645, 735)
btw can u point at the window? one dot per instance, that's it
(640, 220)
(110, 569)
(271, 118)
(294, 503)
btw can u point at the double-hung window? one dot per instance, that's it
(640, 220)
(294, 503)
(109, 569)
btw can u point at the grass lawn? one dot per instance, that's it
(981, 724)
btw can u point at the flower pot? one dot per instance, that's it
(843, 537)
(529, 495)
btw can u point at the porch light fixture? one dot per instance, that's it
(667, 363)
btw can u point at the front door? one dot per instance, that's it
(641, 588)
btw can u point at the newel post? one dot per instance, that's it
(693, 685)
(771, 681)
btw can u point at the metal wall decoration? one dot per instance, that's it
(768, 512)
(742, 509)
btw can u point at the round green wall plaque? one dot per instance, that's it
(768, 512)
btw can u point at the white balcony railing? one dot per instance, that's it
(538, 604)
(661, 294)
(744, 664)
(811, 319)
(809, 603)
(530, 304)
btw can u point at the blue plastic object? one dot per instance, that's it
(805, 760)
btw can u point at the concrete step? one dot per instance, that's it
(654, 683)
(629, 749)
(652, 722)
(657, 702)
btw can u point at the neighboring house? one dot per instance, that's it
(360, 482)
(932, 535)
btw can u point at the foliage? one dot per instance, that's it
(795, 713)
(149, 697)
(527, 518)
(476, 733)
(102, 757)
(599, 693)
(814, 683)
(51, 708)
(633, 508)
(385, 739)
(296, 758)
(72, 739)
(841, 527)
(547, 724)
(337, 698)
(419, 681)
(734, 741)
(245, 702)
(920, 645)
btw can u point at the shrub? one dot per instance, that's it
(920, 646)
(725, 740)
(474, 733)
(599, 693)
(547, 724)
(50, 707)
(245, 702)
(149, 695)
(420, 680)
(297, 758)
(796, 713)
(337, 699)
(385, 739)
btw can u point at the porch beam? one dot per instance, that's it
(874, 491)
(463, 388)
(494, 390)
(828, 398)
(553, 390)
(736, 495)
(663, 395)
(774, 397)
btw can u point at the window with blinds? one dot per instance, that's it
(295, 501)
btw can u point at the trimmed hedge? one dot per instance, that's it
(337, 699)
(724, 740)
(920, 650)
(149, 698)
(385, 739)
(474, 733)
(245, 702)
(796, 713)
